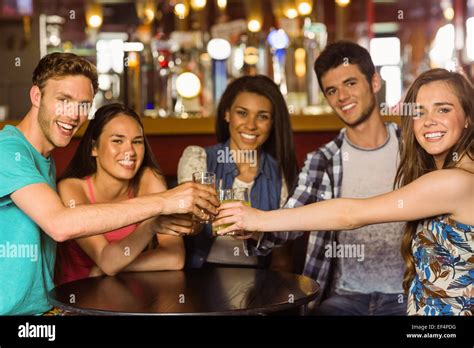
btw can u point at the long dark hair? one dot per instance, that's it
(83, 164)
(415, 161)
(280, 142)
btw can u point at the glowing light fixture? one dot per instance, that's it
(94, 16)
(188, 85)
(278, 39)
(291, 13)
(343, 3)
(222, 4)
(254, 25)
(198, 5)
(448, 11)
(181, 10)
(219, 49)
(133, 59)
(300, 62)
(305, 7)
(146, 10)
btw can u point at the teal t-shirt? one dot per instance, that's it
(27, 254)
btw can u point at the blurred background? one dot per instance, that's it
(171, 60)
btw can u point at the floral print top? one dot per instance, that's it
(444, 262)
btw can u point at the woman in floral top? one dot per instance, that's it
(436, 197)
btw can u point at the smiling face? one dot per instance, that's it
(440, 119)
(250, 120)
(120, 149)
(349, 93)
(63, 107)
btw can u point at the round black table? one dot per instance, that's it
(212, 291)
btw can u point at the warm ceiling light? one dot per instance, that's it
(222, 4)
(254, 25)
(448, 13)
(149, 15)
(94, 16)
(305, 8)
(181, 10)
(291, 13)
(95, 21)
(188, 85)
(146, 10)
(198, 5)
(343, 3)
(219, 49)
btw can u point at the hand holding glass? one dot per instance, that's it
(204, 178)
(232, 195)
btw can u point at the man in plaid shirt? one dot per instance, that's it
(348, 79)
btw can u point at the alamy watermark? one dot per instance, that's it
(352, 251)
(23, 251)
(28, 330)
(237, 156)
(67, 108)
(400, 109)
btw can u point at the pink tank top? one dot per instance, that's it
(74, 262)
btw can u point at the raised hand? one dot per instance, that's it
(174, 225)
(242, 218)
(189, 198)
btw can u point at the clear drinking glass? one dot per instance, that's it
(225, 196)
(232, 195)
(204, 178)
(241, 194)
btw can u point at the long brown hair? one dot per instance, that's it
(415, 161)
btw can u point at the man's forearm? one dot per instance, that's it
(87, 220)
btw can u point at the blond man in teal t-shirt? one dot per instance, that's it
(32, 216)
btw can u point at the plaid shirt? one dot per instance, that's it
(320, 179)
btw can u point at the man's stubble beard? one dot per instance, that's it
(364, 115)
(45, 124)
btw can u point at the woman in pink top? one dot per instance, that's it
(114, 162)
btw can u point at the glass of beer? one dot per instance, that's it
(204, 178)
(241, 194)
(232, 195)
(225, 196)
